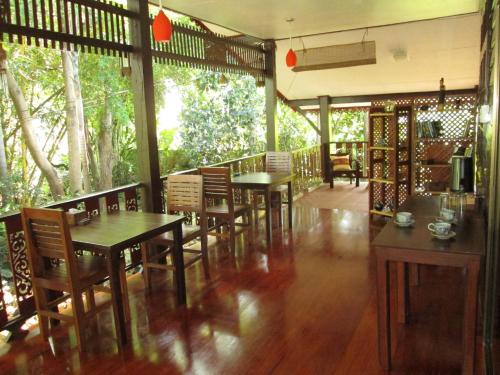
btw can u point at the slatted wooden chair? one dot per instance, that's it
(276, 162)
(217, 187)
(184, 194)
(54, 266)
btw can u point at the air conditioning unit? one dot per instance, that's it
(337, 56)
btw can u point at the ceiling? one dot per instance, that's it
(266, 18)
(446, 48)
(440, 39)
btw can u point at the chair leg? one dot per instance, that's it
(280, 211)
(145, 268)
(255, 203)
(41, 304)
(204, 256)
(232, 237)
(357, 179)
(90, 299)
(79, 318)
(124, 287)
(331, 182)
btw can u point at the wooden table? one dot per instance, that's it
(416, 245)
(265, 181)
(110, 234)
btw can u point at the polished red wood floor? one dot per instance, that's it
(306, 305)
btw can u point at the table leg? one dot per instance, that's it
(179, 265)
(414, 274)
(383, 313)
(290, 204)
(113, 263)
(403, 292)
(267, 198)
(469, 323)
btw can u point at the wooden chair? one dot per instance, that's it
(341, 165)
(184, 194)
(276, 162)
(217, 187)
(54, 266)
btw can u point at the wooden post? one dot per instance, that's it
(324, 122)
(271, 96)
(141, 63)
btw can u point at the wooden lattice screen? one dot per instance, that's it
(101, 26)
(196, 48)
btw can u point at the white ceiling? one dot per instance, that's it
(440, 37)
(446, 48)
(266, 18)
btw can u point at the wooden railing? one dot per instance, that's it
(306, 167)
(20, 305)
(357, 150)
(20, 302)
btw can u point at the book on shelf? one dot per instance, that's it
(429, 129)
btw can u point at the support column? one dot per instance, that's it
(271, 96)
(324, 122)
(141, 63)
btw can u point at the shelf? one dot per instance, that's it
(383, 148)
(433, 165)
(383, 213)
(444, 140)
(382, 114)
(382, 180)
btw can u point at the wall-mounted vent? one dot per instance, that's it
(337, 56)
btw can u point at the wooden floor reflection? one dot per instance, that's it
(306, 305)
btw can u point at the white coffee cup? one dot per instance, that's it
(447, 214)
(440, 228)
(403, 217)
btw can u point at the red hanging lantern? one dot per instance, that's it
(162, 27)
(291, 58)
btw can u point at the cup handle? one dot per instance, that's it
(431, 227)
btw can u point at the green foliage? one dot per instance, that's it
(294, 130)
(221, 122)
(348, 125)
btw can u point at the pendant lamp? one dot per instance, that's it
(162, 27)
(291, 56)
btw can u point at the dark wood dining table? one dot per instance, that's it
(111, 233)
(415, 245)
(264, 181)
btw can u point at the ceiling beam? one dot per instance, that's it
(372, 98)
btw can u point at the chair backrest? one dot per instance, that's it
(185, 193)
(47, 236)
(278, 161)
(217, 184)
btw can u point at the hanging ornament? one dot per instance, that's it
(162, 27)
(291, 56)
(441, 96)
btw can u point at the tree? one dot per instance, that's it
(30, 138)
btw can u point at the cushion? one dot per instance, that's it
(340, 163)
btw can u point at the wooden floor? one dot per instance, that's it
(306, 305)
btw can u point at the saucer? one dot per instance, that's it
(440, 219)
(451, 234)
(404, 225)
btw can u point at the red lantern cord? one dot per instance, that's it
(162, 27)
(291, 56)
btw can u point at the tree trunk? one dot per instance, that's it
(72, 124)
(106, 159)
(56, 187)
(82, 125)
